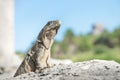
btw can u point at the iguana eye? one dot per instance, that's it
(49, 23)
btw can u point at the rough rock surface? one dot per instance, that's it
(88, 70)
(58, 61)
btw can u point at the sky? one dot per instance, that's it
(78, 15)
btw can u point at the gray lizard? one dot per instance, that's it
(38, 56)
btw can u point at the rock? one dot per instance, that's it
(88, 70)
(57, 61)
(98, 29)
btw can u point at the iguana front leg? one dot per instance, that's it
(39, 56)
(48, 61)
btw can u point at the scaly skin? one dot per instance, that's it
(38, 56)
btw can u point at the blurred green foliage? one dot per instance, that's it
(100, 49)
(86, 47)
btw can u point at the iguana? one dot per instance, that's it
(38, 56)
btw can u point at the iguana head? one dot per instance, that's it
(51, 28)
(48, 32)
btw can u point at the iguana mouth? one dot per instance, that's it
(58, 21)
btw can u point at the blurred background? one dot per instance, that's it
(90, 29)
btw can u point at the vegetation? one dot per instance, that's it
(87, 47)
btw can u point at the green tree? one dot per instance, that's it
(69, 36)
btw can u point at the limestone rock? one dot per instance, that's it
(58, 61)
(98, 29)
(88, 70)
